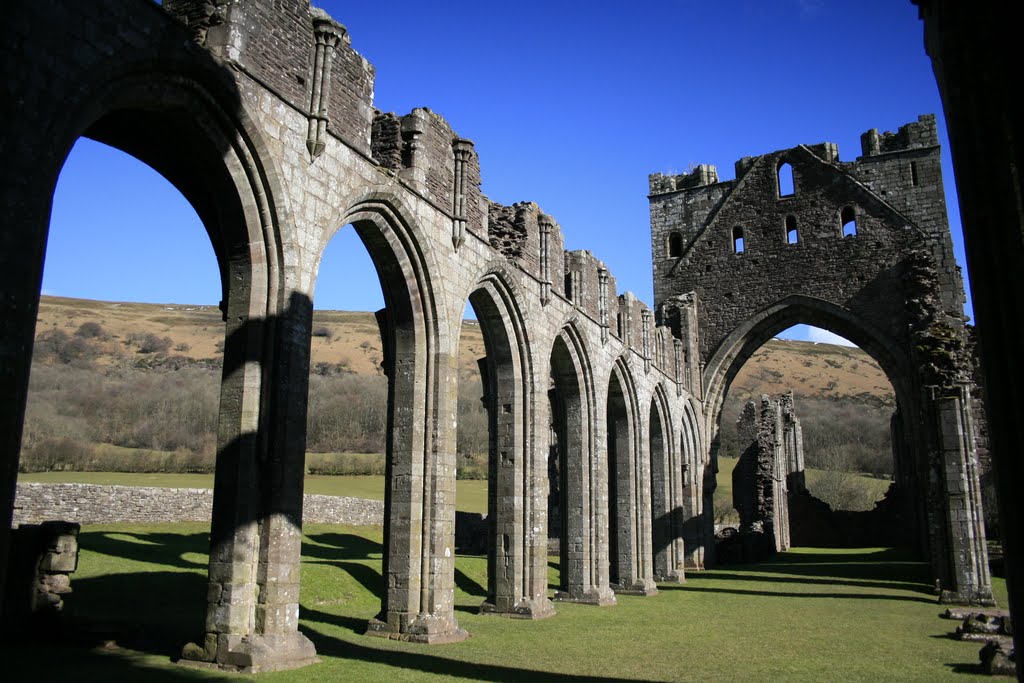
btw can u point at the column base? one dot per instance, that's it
(254, 653)
(981, 597)
(426, 629)
(602, 597)
(638, 587)
(541, 608)
(678, 576)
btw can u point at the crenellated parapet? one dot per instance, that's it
(920, 134)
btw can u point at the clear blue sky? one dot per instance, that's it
(571, 105)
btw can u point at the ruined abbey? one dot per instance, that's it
(267, 126)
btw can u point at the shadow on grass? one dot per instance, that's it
(330, 546)
(970, 669)
(353, 624)
(783, 594)
(86, 663)
(152, 612)
(158, 548)
(882, 585)
(367, 577)
(892, 568)
(468, 585)
(328, 646)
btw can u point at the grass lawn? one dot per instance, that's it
(470, 494)
(809, 615)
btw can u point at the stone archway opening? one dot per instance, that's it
(347, 406)
(630, 538)
(845, 406)
(577, 519)
(835, 473)
(494, 386)
(118, 387)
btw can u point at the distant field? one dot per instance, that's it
(470, 495)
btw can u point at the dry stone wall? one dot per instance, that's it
(96, 504)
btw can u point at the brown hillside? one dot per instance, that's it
(349, 339)
(813, 370)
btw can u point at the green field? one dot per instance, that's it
(470, 494)
(809, 615)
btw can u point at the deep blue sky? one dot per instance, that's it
(571, 105)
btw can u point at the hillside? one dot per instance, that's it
(135, 386)
(813, 370)
(349, 340)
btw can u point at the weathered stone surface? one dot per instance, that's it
(261, 113)
(43, 556)
(861, 248)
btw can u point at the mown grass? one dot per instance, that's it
(470, 494)
(809, 615)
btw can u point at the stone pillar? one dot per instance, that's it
(463, 151)
(24, 194)
(414, 124)
(256, 531)
(544, 223)
(602, 302)
(419, 505)
(584, 489)
(971, 582)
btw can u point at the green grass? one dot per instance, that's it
(470, 494)
(809, 615)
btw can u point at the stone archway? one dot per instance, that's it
(582, 489)
(668, 471)
(890, 285)
(629, 492)
(517, 554)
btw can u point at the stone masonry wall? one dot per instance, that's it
(94, 504)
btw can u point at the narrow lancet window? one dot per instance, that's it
(675, 245)
(792, 236)
(848, 219)
(786, 187)
(738, 245)
(913, 173)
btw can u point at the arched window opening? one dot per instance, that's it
(785, 178)
(160, 408)
(792, 236)
(833, 443)
(347, 409)
(675, 245)
(848, 220)
(738, 243)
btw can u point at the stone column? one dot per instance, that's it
(971, 582)
(25, 193)
(256, 532)
(419, 505)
